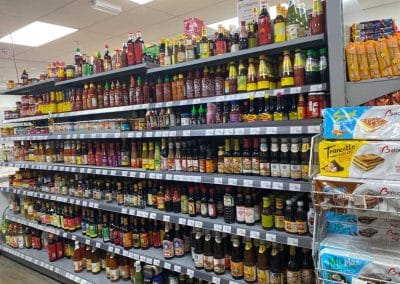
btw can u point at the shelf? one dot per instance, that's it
(62, 269)
(361, 92)
(270, 49)
(151, 256)
(217, 224)
(224, 179)
(113, 74)
(308, 126)
(37, 87)
(189, 102)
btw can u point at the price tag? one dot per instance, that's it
(277, 185)
(228, 131)
(53, 197)
(98, 245)
(81, 136)
(241, 232)
(132, 212)
(172, 133)
(93, 135)
(167, 265)
(136, 256)
(148, 134)
(239, 131)
(87, 241)
(113, 172)
(177, 268)
(295, 130)
(64, 235)
(312, 129)
(232, 181)
(270, 237)
(104, 172)
(138, 134)
(89, 171)
(158, 134)
(152, 175)
(209, 132)
(98, 171)
(90, 204)
(77, 202)
(254, 131)
(166, 218)
(125, 173)
(216, 280)
(117, 250)
(84, 203)
(316, 87)
(95, 205)
(186, 133)
(124, 210)
(272, 130)
(226, 229)
(278, 92)
(219, 132)
(218, 227)
(110, 249)
(158, 176)
(132, 174)
(103, 135)
(248, 182)
(142, 258)
(145, 214)
(149, 260)
(295, 90)
(73, 237)
(156, 262)
(358, 281)
(218, 180)
(190, 222)
(142, 175)
(117, 135)
(292, 241)
(153, 215)
(130, 254)
(254, 234)
(168, 177)
(190, 272)
(294, 187)
(130, 134)
(198, 224)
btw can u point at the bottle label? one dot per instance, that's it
(237, 269)
(96, 267)
(78, 266)
(287, 81)
(228, 165)
(264, 30)
(255, 165)
(210, 166)
(250, 273)
(251, 87)
(179, 247)
(221, 47)
(275, 170)
(293, 115)
(191, 208)
(267, 221)
(307, 276)
(290, 227)
(301, 227)
(280, 31)
(247, 168)
(178, 166)
(279, 222)
(198, 259)
(293, 277)
(240, 213)
(219, 265)
(295, 171)
(168, 249)
(237, 165)
(292, 31)
(263, 85)
(278, 116)
(265, 116)
(208, 262)
(144, 240)
(114, 274)
(242, 83)
(265, 169)
(127, 240)
(275, 278)
(304, 172)
(262, 276)
(285, 170)
(249, 215)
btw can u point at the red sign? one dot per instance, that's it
(192, 27)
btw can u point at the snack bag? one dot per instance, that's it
(372, 59)
(362, 61)
(352, 63)
(383, 58)
(394, 53)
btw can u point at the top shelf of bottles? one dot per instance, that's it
(150, 68)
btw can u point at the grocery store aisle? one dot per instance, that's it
(15, 273)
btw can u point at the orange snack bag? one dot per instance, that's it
(352, 63)
(394, 53)
(362, 61)
(383, 58)
(372, 59)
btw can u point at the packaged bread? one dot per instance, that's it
(383, 58)
(352, 62)
(372, 59)
(362, 61)
(394, 53)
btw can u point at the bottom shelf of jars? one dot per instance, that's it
(150, 256)
(61, 270)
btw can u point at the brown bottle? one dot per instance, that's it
(301, 219)
(263, 263)
(124, 268)
(275, 275)
(189, 85)
(197, 84)
(88, 257)
(208, 252)
(219, 255)
(114, 268)
(249, 262)
(77, 258)
(236, 259)
(279, 217)
(290, 221)
(293, 268)
(95, 261)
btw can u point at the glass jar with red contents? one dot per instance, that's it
(316, 103)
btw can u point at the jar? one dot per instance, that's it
(185, 119)
(70, 71)
(10, 84)
(142, 123)
(314, 105)
(125, 125)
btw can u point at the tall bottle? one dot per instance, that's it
(243, 40)
(293, 268)
(237, 270)
(263, 263)
(219, 255)
(77, 258)
(204, 44)
(249, 262)
(139, 47)
(292, 21)
(198, 253)
(279, 25)
(264, 25)
(168, 243)
(131, 50)
(275, 275)
(287, 76)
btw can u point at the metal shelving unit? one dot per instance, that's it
(234, 180)
(61, 270)
(217, 224)
(309, 126)
(188, 102)
(151, 256)
(36, 87)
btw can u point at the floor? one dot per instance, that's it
(15, 273)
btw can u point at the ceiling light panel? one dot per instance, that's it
(141, 2)
(37, 34)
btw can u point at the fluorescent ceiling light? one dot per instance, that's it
(106, 7)
(225, 23)
(36, 34)
(141, 2)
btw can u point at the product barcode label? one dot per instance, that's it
(254, 234)
(241, 232)
(270, 237)
(218, 180)
(295, 130)
(292, 241)
(153, 215)
(217, 227)
(226, 229)
(272, 130)
(182, 221)
(294, 187)
(216, 280)
(277, 185)
(248, 182)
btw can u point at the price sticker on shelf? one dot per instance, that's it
(87, 241)
(219, 132)
(358, 281)
(169, 177)
(209, 132)
(294, 187)
(132, 174)
(158, 134)
(226, 229)
(228, 131)
(158, 176)
(156, 262)
(270, 237)
(93, 135)
(272, 130)
(177, 268)
(125, 253)
(218, 180)
(117, 250)
(64, 235)
(90, 204)
(130, 134)
(125, 173)
(110, 249)
(124, 210)
(254, 234)
(316, 87)
(153, 215)
(149, 260)
(239, 131)
(313, 129)
(148, 134)
(145, 214)
(136, 256)
(132, 212)
(218, 227)
(98, 171)
(81, 136)
(182, 221)
(95, 205)
(104, 172)
(248, 182)
(295, 129)
(113, 172)
(77, 202)
(172, 133)
(186, 133)
(89, 171)
(254, 131)
(216, 280)
(142, 258)
(190, 272)
(142, 175)
(98, 245)
(117, 135)
(295, 90)
(190, 222)
(167, 265)
(152, 175)
(73, 237)
(84, 203)
(198, 224)
(232, 181)
(277, 185)
(130, 254)
(103, 135)
(166, 218)
(241, 232)
(139, 134)
(292, 241)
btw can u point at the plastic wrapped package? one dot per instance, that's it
(383, 58)
(352, 62)
(372, 59)
(394, 53)
(362, 61)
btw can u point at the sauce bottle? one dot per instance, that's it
(125, 94)
(251, 84)
(311, 68)
(240, 208)
(249, 262)
(262, 75)
(159, 90)
(112, 95)
(189, 49)
(100, 96)
(242, 77)
(197, 84)
(198, 252)
(161, 55)
(307, 268)
(233, 79)
(305, 157)
(293, 268)
(243, 40)
(267, 218)
(189, 85)
(287, 78)
(131, 50)
(301, 219)
(265, 168)
(317, 23)
(77, 258)
(290, 222)
(138, 46)
(236, 259)
(292, 21)
(181, 49)
(220, 42)
(204, 44)
(206, 84)
(263, 263)
(252, 37)
(295, 165)
(114, 270)
(264, 25)
(85, 97)
(275, 275)
(218, 255)
(279, 25)
(323, 66)
(208, 252)
(299, 72)
(139, 96)
(118, 94)
(284, 159)
(249, 209)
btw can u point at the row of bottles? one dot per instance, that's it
(278, 157)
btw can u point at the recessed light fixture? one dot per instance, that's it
(141, 2)
(106, 7)
(36, 34)
(225, 23)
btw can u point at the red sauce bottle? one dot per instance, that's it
(139, 91)
(167, 91)
(132, 98)
(264, 26)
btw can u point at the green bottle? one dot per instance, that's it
(202, 115)
(193, 119)
(138, 273)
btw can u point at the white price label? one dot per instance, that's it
(239, 131)
(149, 260)
(186, 133)
(157, 134)
(171, 133)
(316, 87)
(294, 187)
(113, 172)
(358, 281)
(90, 204)
(145, 214)
(312, 129)
(132, 174)
(136, 256)
(81, 136)
(130, 254)
(177, 268)
(209, 132)
(132, 212)
(167, 265)
(64, 235)
(138, 134)
(84, 203)
(254, 131)
(142, 175)
(95, 205)
(117, 250)
(73, 237)
(87, 241)
(153, 215)
(254, 234)
(270, 237)
(124, 210)
(182, 221)
(292, 241)
(103, 135)
(77, 202)
(232, 181)
(228, 131)
(277, 185)
(117, 135)
(295, 90)
(152, 176)
(190, 222)
(272, 130)
(248, 182)
(218, 227)
(218, 180)
(158, 176)
(190, 272)
(125, 173)
(110, 249)
(75, 136)
(168, 176)
(130, 134)
(98, 245)
(216, 280)
(219, 132)
(142, 258)
(98, 171)
(241, 232)
(198, 224)
(93, 135)
(156, 262)
(125, 253)
(278, 92)
(295, 130)
(104, 172)
(226, 229)
(149, 134)
(166, 218)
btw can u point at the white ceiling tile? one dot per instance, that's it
(6, 50)
(31, 9)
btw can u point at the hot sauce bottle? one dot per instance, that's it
(112, 95)
(139, 97)
(139, 46)
(106, 95)
(233, 78)
(131, 51)
(242, 77)
(264, 26)
(299, 72)
(100, 96)
(287, 77)
(84, 97)
(221, 42)
(251, 77)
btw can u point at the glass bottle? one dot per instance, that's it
(208, 252)
(218, 255)
(204, 44)
(233, 79)
(262, 74)
(279, 25)
(299, 72)
(220, 42)
(275, 275)
(284, 159)
(255, 157)
(243, 39)
(275, 158)
(249, 262)
(267, 218)
(287, 77)
(242, 77)
(263, 263)
(292, 21)
(237, 157)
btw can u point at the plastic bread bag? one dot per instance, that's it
(372, 59)
(352, 63)
(362, 61)
(394, 53)
(383, 58)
